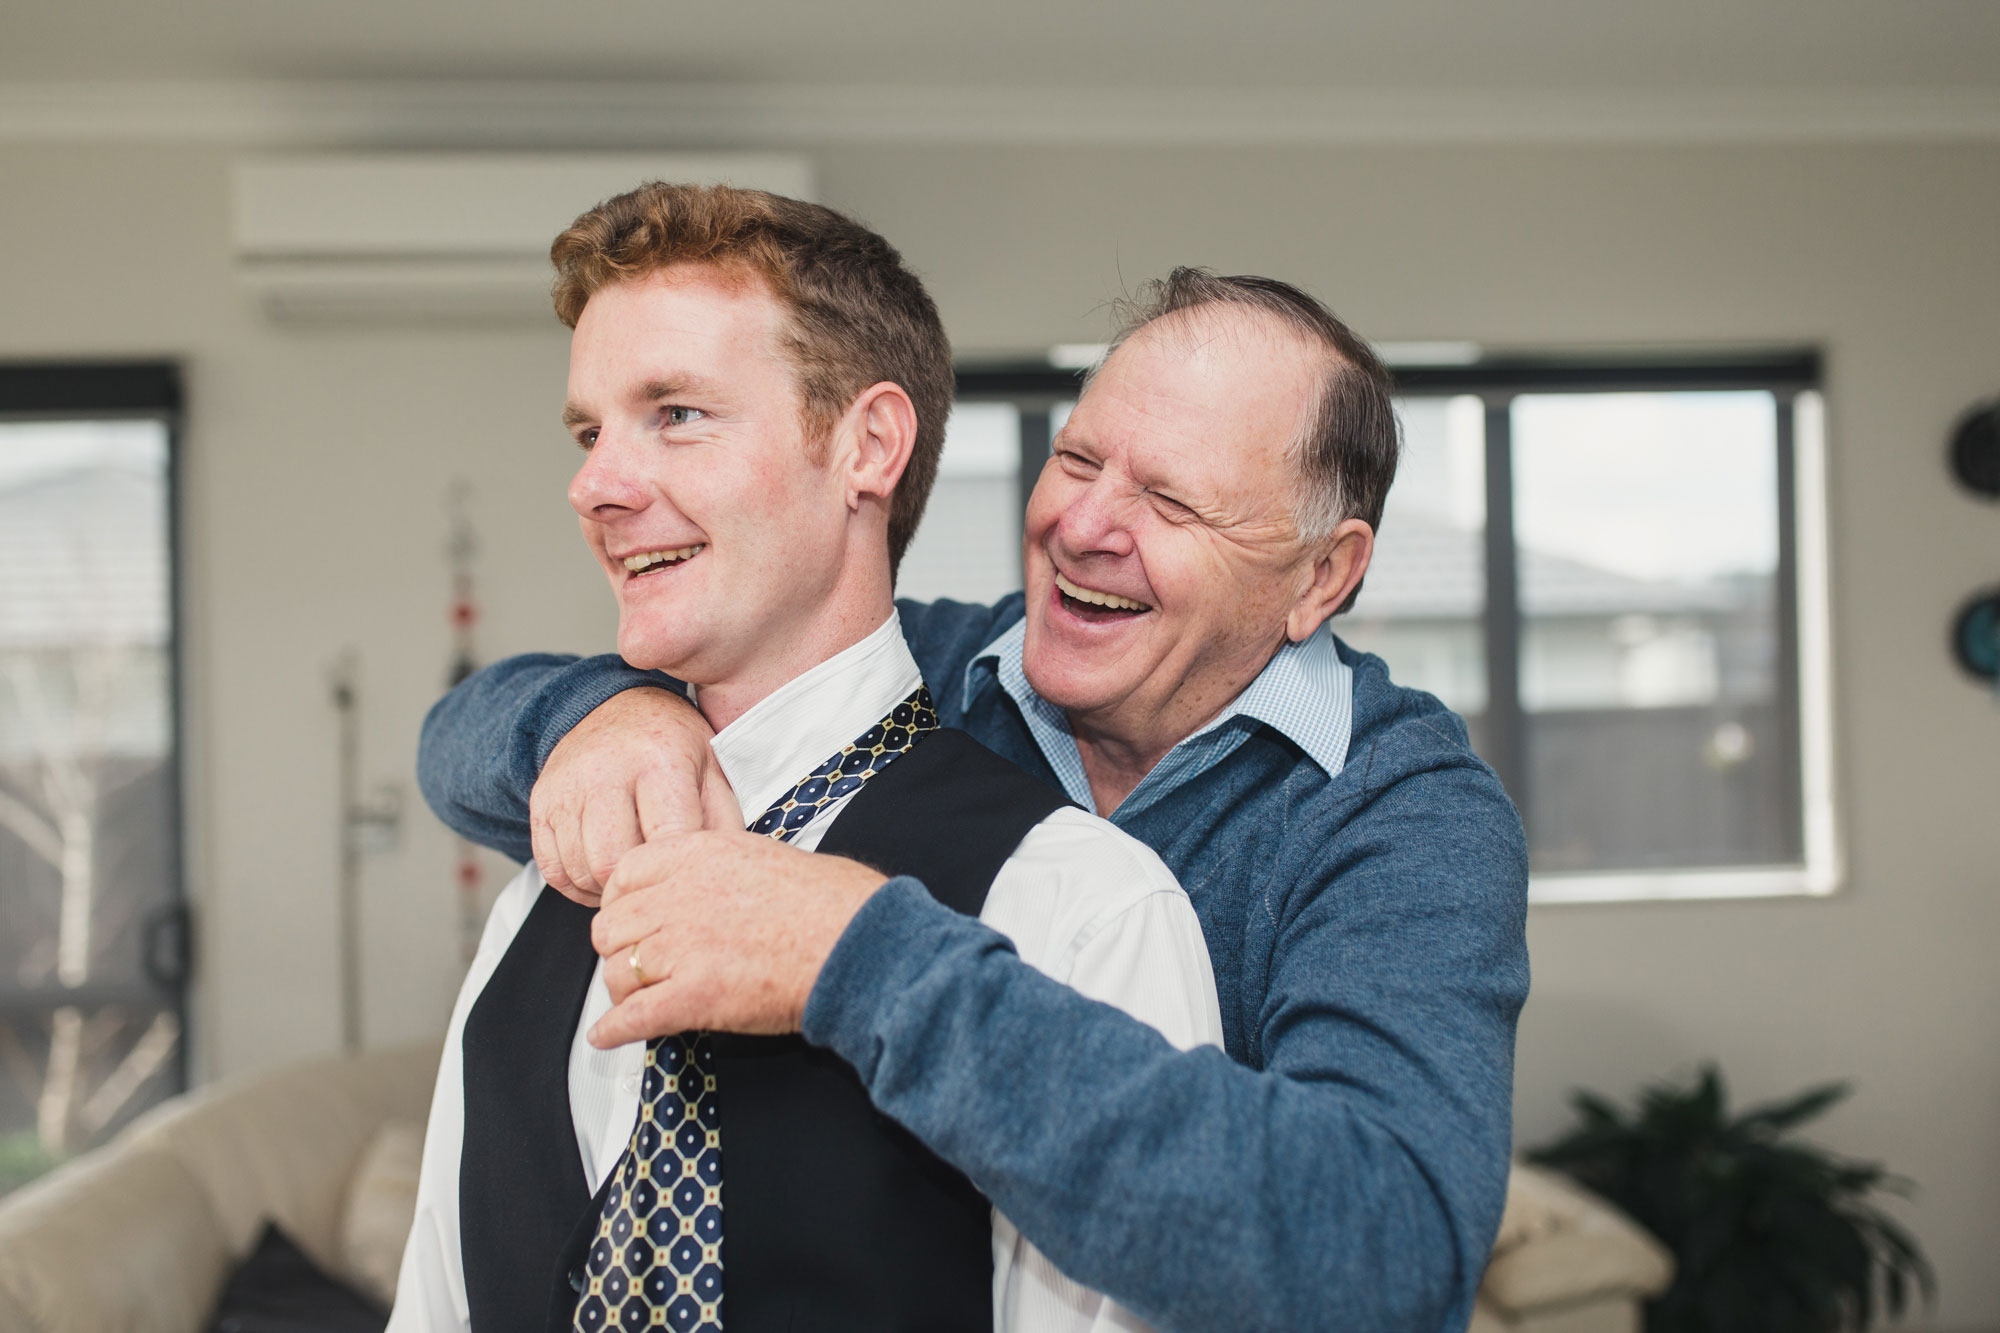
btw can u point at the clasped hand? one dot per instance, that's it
(702, 926)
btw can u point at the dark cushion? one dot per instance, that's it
(278, 1290)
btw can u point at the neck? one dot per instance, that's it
(1113, 766)
(852, 610)
(1120, 745)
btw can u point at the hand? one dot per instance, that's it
(637, 766)
(730, 928)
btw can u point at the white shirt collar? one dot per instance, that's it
(790, 731)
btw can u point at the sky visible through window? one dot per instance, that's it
(1673, 487)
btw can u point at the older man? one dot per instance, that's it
(1359, 875)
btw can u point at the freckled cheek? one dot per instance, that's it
(717, 499)
(776, 507)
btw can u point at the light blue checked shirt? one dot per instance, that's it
(1304, 692)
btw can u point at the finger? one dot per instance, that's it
(653, 1011)
(555, 868)
(575, 866)
(668, 801)
(631, 913)
(567, 821)
(617, 928)
(618, 977)
(719, 809)
(655, 965)
(542, 840)
(609, 828)
(658, 861)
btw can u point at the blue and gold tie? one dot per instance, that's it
(656, 1260)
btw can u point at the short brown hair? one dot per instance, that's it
(858, 316)
(1348, 441)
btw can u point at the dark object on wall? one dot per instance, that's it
(1975, 635)
(1768, 1235)
(1975, 450)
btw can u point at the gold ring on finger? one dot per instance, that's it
(638, 971)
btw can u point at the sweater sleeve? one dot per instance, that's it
(1354, 1181)
(484, 743)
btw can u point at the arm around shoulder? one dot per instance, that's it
(484, 742)
(1349, 1173)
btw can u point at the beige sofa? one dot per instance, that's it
(138, 1236)
(1566, 1261)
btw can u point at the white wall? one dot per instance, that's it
(318, 461)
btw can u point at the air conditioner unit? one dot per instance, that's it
(375, 236)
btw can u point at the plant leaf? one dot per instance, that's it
(1777, 1117)
(1770, 1234)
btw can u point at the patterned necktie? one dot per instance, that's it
(656, 1260)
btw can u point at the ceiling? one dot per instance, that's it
(1515, 45)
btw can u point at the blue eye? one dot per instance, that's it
(682, 416)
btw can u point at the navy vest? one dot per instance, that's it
(835, 1218)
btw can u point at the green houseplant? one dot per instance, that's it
(1769, 1234)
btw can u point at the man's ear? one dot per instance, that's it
(1336, 571)
(882, 426)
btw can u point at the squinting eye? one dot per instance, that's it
(586, 439)
(681, 416)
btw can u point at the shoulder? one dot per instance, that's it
(1413, 811)
(1095, 908)
(1395, 724)
(945, 635)
(1121, 869)
(1407, 742)
(1073, 877)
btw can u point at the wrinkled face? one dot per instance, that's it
(1161, 559)
(699, 495)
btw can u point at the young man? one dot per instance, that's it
(760, 390)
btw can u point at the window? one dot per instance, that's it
(969, 546)
(1615, 572)
(93, 935)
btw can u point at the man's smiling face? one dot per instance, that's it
(701, 495)
(1161, 558)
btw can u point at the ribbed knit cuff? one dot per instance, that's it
(585, 686)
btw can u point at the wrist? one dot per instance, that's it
(631, 711)
(585, 687)
(845, 890)
(886, 943)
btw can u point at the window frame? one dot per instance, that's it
(1802, 675)
(143, 391)
(1034, 388)
(1802, 595)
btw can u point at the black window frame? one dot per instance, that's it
(1497, 382)
(148, 390)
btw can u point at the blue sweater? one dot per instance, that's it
(1342, 1167)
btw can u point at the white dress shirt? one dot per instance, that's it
(1083, 902)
